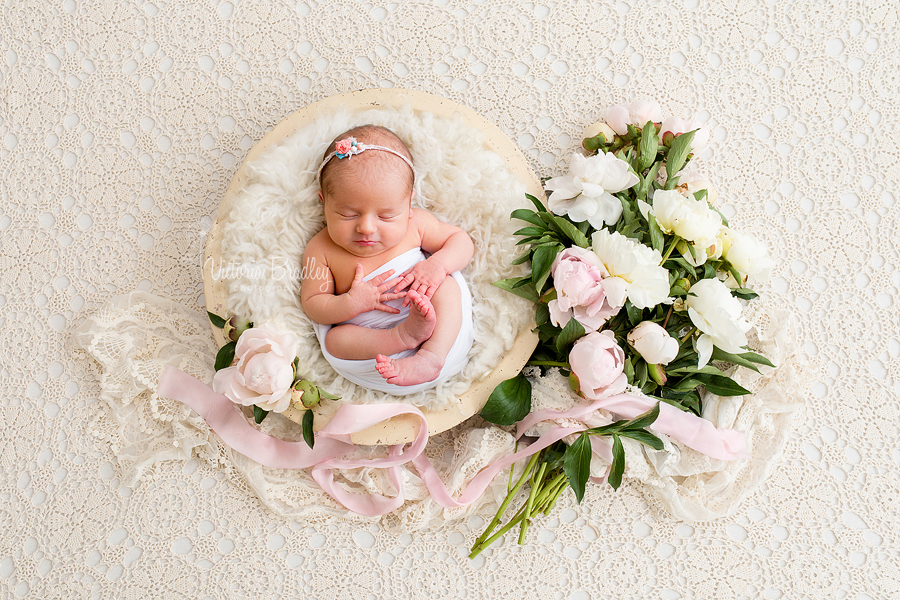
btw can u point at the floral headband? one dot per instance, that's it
(348, 147)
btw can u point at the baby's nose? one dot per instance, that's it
(365, 225)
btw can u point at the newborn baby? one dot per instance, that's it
(383, 274)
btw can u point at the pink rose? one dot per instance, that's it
(584, 290)
(598, 363)
(343, 146)
(264, 370)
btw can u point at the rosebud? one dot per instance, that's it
(305, 392)
(684, 283)
(235, 326)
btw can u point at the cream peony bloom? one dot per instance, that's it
(747, 255)
(586, 192)
(691, 220)
(647, 283)
(717, 314)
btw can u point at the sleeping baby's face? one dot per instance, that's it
(367, 216)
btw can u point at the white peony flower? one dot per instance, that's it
(647, 283)
(747, 255)
(586, 192)
(653, 343)
(689, 219)
(637, 113)
(717, 314)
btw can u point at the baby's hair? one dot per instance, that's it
(367, 134)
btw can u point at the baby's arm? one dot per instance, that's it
(451, 250)
(322, 305)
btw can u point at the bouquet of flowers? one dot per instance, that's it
(638, 282)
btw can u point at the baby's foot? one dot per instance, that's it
(420, 367)
(419, 325)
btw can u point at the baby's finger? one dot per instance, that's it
(405, 281)
(380, 278)
(385, 308)
(358, 274)
(389, 297)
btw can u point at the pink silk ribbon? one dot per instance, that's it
(333, 445)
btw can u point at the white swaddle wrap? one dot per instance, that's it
(362, 372)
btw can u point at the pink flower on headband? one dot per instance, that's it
(343, 146)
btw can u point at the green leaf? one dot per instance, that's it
(722, 386)
(657, 239)
(646, 438)
(509, 403)
(644, 420)
(530, 231)
(572, 232)
(635, 314)
(617, 468)
(678, 152)
(577, 465)
(327, 395)
(216, 320)
(541, 314)
(685, 385)
(307, 424)
(521, 259)
(225, 356)
(693, 369)
(541, 262)
(525, 291)
(536, 202)
(523, 214)
(629, 370)
(750, 356)
(571, 332)
(744, 294)
(259, 414)
(640, 373)
(648, 147)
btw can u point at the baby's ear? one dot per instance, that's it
(411, 196)
(321, 197)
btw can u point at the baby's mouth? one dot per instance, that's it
(366, 242)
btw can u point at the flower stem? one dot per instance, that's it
(668, 314)
(529, 505)
(528, 468)
(669, 250)
(548, 363)
(687, 335)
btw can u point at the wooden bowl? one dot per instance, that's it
(403, 428)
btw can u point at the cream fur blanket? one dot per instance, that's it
(457, 178)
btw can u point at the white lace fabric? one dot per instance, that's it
(121, 125)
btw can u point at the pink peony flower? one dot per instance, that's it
(676, 126)
(343, 146)
(584, 290)
(264, 370)
(598, 363)
(637, 113)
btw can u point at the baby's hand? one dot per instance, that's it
(424, 277)
(370, 295)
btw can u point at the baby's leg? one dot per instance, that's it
(426, 364)
(352, 342)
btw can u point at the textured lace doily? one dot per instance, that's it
(122, 123)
